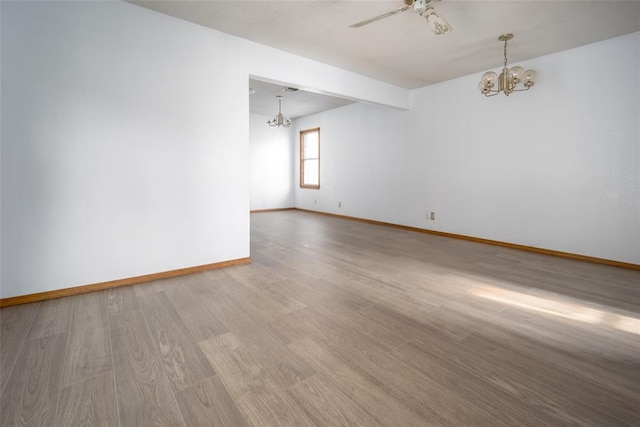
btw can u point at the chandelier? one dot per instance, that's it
(514, 79)
(280, 120)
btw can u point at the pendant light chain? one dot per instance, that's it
(505, 52)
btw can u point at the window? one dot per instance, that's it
(310, 158)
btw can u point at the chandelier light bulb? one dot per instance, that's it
(489, 79)
(516, 73)
(530, 78)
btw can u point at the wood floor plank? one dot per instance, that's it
(15, 323)
(570, 285)
(121, 299)
(381, 406)
(253, 302)
(240, 318)
(52, 318)
(518, 379)
(311, 290)
(452, 324)
(257, 336)
(560, 325)
(448, 288)
(239, 370)
(339, 335)
(273, 408)
(338, 314)
(288, 328)
(594, 335)
(182, 359)
(91, 402)
(308, 287)
(603, 404)
(435, 403)
(266, 282)
(504, 407)
(257, 395)
(396, 300)
(387, 290)
(404, 325)
(246, 287)
(33, 386)
(281, 365)
(209, 404)
(589, 365)
(195, 314)
(88, 343)
(234, 318)
(144, 392)
(326, 405)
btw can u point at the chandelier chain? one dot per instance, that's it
(505, 53)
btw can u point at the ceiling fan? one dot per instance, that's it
(437, 23)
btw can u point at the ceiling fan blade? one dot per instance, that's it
(379, 17)
(437, 23)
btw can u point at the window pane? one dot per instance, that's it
(311, 172)
(310, 158)
(311, 146)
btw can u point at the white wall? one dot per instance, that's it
(271, 164)
(125, 140)
(361, 162)
(556, 167)
(116, 163)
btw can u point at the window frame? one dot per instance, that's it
(303, 159)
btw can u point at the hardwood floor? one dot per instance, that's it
(336, 322)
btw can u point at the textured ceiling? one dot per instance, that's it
(401, 49)
(295, 103)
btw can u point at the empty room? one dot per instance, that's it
(320, 213)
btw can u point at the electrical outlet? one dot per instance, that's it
(432, 216)
(339, 204)
(315, 201)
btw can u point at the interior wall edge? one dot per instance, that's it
(516, 246)
(82, 289)
(272, 210)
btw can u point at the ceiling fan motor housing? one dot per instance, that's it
(419, 6)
